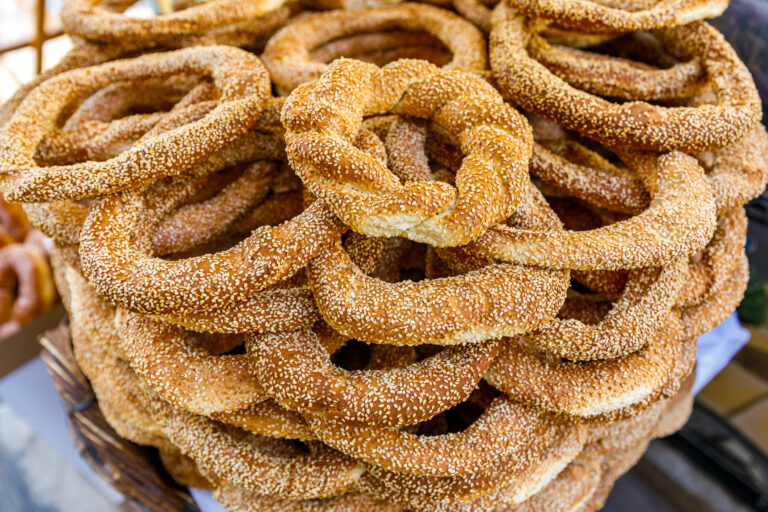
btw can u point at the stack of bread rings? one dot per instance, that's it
(349, 255)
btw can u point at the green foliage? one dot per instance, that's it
(753, 309)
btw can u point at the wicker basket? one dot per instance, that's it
(133, 470)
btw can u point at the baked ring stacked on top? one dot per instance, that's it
(458, 262)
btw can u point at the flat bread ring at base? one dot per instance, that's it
(322, 117)
(634, 124)
(296, 370)
(287, 54)
(239, 77)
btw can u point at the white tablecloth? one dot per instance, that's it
(31, 394)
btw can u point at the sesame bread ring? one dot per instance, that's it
(679, 221)
(707, 315)
(512, 479)
(472, 307)
(581, 389)
(502, 428)
(739, 172)
(25, 270)
(118, 234)
(707, 275)
(82, 54)
(364, 193)
(195, 224)
(269, 419)
(296, 370)
(118, 392)
(570, 489)
(237, 499)
(189, 377)
(287, 54)
(617, 77)
(102, 140)
(261, 464)
(581, 173)
(239, 76)
(633, 320)
(86, 18)
(597, 16)
(634, 124)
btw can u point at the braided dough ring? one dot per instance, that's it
(321, 118)
(287, 54)
(87, 19)
(239, 76)
(679, 221)
(296, 370)
(590, 388)
(598, 16)
(635, 124)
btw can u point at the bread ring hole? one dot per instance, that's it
(459, 417)
(383, 47)
(353, 356)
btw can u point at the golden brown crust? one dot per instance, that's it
(287, 55)
(296, 370)
(88, 19)
(364, 194)
(639, 124)
(241, 79)
(586, 388)
(597, 16)
(679, 221)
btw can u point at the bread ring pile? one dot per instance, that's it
(26, 283)
(373, 255)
